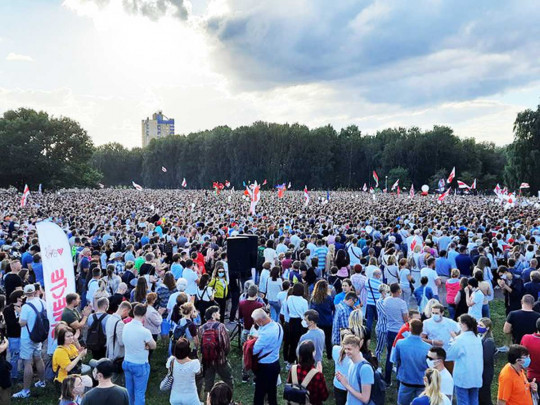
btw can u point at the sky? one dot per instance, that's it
(108, 64)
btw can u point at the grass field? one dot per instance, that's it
(244, 392)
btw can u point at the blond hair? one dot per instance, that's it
(433, 387)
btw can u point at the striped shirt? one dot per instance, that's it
(372, 288)
(321, 253)
(381, 316)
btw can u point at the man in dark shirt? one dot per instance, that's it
(106, 392)
(464, 262)
(13, 329)
(533, 286)
(512, 288)
(522, 321)
(526, 275)
(12, 280)
(148, 267)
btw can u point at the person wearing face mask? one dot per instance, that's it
(314, 334)
(488, 345)
(512, 287)
(435, 359)
(438, 329)
(514, 388)
(220, 286)
(467, 355)
(73, 387)
(105, 392)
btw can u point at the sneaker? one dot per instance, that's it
(245, 379)
(22, 394)
(40, 384)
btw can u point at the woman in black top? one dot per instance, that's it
(488, 344)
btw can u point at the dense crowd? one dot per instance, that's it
(394, 291)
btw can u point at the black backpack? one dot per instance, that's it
(180, 331)
(40, 331)
(378, 389)
(96, 339)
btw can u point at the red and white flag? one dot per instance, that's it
(163, 169)
(497, 189)
(524, 185)
(264, 182)
(411, 191)
(398, 191)
(395, 185)
(184, 183)
(413, 244)
(253, 191)
(444, 195)
(26, 193)
(227, 183)
(462, 184)
(306, 196)
(137, 187)
(473, 186)
(452, 175)
(371, 190)
(365, 187)
(376, 178)
(289, 186)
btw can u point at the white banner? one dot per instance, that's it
(57, 269)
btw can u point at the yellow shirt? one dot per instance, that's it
(62, 357)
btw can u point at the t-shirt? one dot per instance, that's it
(513, 387)
(147, 268)
(135, 337)
(62, 357)
(523, 322)
(112, 395)
(37, 268)
(423, 400)
(191, 277)
(394, 308)
(245, 309)
(532, 343)
(317, 337)
(367, 376)
(29, 315)
(447, 383)
(431, 276)
(12, 281)
(475, 310)
(440, 330)
(177, 270)
(71, 315)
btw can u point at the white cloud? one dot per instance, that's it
(15, 57)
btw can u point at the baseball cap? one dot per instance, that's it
(29, 289)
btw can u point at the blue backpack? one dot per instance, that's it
(40, 331)
(378, 389)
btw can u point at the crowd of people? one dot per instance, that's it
(380, 292)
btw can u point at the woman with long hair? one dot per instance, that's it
(342, 363)
(297, 306)
(139, 292)
(318, 392)
(220, 285)
(432, 394)
(322, 302)
(356, 325)
(112, 280)
(67, 358)
(342, 263)
(273, 288)
(72, 389)
(204, 297)
(164, 292)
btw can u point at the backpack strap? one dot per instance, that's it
(294, 374)
(309, 376)
(114, 333)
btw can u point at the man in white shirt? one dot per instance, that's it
(191, 277)
(433, 278)
(137, 342)
(114, 330)
(438, 330)
(355, 253)
(436, 357)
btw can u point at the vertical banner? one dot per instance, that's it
(57, 269)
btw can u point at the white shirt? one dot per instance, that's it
(135, 336)
(296, 306)
(440, 330)
(476, 310)
(447, 383)
(270, 255)
(191, 276)
(431, 275)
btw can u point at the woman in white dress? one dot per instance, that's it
(184, 370)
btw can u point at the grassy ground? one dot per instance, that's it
(244, 392)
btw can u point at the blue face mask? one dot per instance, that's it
(527, 362)
(481, 330)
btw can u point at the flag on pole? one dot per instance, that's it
(371, 190)
(396, 184)
(184, 183)
(376, 178)
(441, 185)
(227, 183)
(462, 185)
(444, 195)
(289, 186)
(364, 188)
(264, 182)
(497, 189)
(452, 175)
(281, 190)
(253, 191)
(306, 196)
(163, 169)
(524, 185)
(137, 187)
(398, 191)
(411, 191)
(384, 190)
(26, 193)
(473, 186)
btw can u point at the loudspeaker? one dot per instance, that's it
(242, 255)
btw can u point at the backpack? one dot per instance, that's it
(40, 331)
(378, 389)
(96, 339)
(180, 331)
(210, 347)
(295, 393)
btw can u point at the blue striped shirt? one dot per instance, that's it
(372, 288)
(321, 253)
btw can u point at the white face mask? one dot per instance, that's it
(304, 323)
(431, 363)
(437, 318)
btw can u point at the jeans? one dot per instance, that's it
(340, 396)
(274, 310)
(14, 348)
(136, 381)
(223, 370)
(390, 337)
(371, 315)
(485, 311)
(451, 311)
(266, 383)
(407, 394)
(466, 396)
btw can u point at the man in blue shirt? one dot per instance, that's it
(411, 364)
(443, 265)
(266, 348)
(37, 267)
(464, 262)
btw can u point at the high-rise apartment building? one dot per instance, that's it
(157, 127)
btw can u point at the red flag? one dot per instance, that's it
(411, 191)
(227, 183)
(474, 185)
(364, 188)
(524, 185)
(462, 184)
(26, 193)
(413, 243)
(396, 184)
(398, 191)
(264, 182)
(184, 183)
(376, 178)
(137, 187)
(452, 175)
(306, 196)
(444, 195)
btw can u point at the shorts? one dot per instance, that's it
(29, 349)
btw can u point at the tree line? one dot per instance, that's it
(57, 152)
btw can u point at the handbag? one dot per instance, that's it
(295, 393)
(167, 382)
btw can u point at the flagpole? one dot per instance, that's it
(386, 183)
